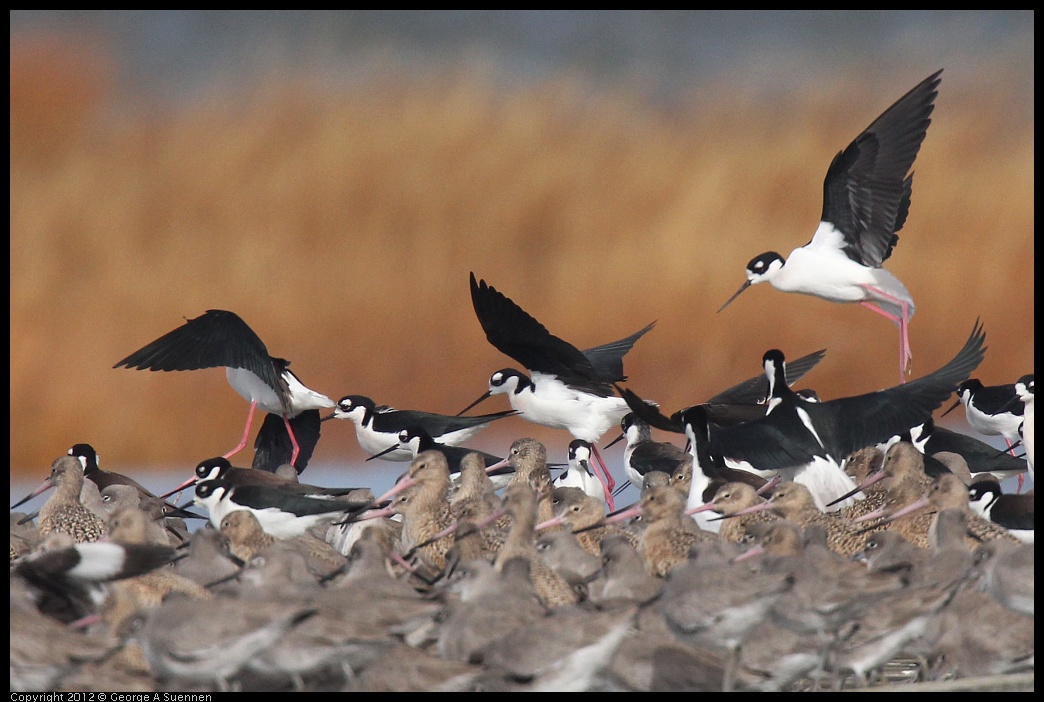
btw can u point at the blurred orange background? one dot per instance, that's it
(342, 226)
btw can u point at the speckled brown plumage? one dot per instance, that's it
(244, 535)
(427, 511)
(63, 512)
(902, 462)
(794, 502)
(666, 540)
(731, 498)
(949, 492)
(521, 503)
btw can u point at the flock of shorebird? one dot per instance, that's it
(793, 543)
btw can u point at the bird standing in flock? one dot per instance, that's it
(733, 571)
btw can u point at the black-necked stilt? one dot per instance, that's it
(992, 410)
(377, 427)
(219, 338)
(219, 468)
(643, 454)
(282, 514)
(416, 440)
(579, 473)
(566, 388)
(866, 198)
(69, 582)
(979, 456)
(1024, 391)
(798, 433)
(1013, 511)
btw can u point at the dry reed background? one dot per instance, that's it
(342, 225)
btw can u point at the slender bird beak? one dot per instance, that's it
(384, 452)
(329, 416)
(44, 486)
(484, 396)
(954, 406)
(876, 477)
(760, 507)
(614, 441)
(735, 295)
(620, 515)
(179, 488)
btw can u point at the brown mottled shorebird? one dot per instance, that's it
(681, 478)
(529, 459)
(169, 518)
(521, 503)
(655, 478)
(730, 499)
(475, 496)
(669, 533)
(427, 511)
(120, 500)
(24, 535)
(246, 539)
(63, 512)
(575, 509)
(917, 516)
(794, 502)
(902, 464)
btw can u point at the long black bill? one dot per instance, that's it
(735, 295)
(484, 396)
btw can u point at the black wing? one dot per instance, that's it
(515, 333)
(755, 390)
(864, 420)
(217, 338)
(607, 359)
(866, 193)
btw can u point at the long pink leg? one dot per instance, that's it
(605, 471)
(246, 432)
(1021, 476)
(605, 478)
(903, 321)
(293, 442)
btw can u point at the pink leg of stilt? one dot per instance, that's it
(605, 478)
(903, 321)
(293, 442)
(246, 432)
(1021, 476)
(605, 471)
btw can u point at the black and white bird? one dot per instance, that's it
(991, 410)
(281, 513)
(416, 440)
(219, 468)
(806, 441)
(219, 338)
(579, 473)
(866, 199)
(566, 388)
(740, 403)
(377, 427)
(70, 582)
(1013, 511)
(1024, 391)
